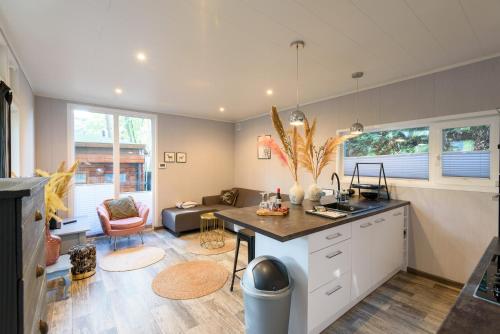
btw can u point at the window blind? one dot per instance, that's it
(408, 166)
(466, 164)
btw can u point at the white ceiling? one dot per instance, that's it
(203, 54)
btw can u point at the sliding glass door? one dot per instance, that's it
(136, 144)
(115, 150)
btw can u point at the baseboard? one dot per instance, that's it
(435, 278)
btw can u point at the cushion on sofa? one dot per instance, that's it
(121, 208)
(229, 197)
(126, 223)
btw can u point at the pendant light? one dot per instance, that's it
(297, 116)
(357, 128)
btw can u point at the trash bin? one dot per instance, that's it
(267, 292)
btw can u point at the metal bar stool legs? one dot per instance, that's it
(248, 236)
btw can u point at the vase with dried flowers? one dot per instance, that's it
(287, 154)
(56, 190)
(315, 158)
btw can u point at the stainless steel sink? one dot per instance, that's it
(350, 208)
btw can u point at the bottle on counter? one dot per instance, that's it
(278, 198)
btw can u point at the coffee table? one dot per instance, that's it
(211, 231)
(71, 234)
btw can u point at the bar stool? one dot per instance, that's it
(248, 236)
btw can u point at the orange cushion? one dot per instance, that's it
(126, 223)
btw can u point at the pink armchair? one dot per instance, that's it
(123, 227)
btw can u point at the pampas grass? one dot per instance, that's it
(56, 189)
(313, 158)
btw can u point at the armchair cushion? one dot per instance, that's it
(121, 208)
(126, 223)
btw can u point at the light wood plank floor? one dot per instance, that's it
(125, 303)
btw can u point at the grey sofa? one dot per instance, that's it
(183, 220)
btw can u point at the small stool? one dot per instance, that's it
(211, 231)
(248, 236)
(60, 270)
(83, 259)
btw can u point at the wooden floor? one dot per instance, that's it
(125, 303)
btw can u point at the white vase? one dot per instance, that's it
(314, 192)
(296, 194)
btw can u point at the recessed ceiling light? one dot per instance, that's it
(118, 91)
(221, 109)
(269, 92)
(141, 56)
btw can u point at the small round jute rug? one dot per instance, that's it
(190, 280)
(193, 246)
(131, 258)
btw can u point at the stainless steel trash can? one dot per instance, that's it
(267, 292)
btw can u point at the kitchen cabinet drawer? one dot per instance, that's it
(329, 237)
(327, 300)
(329, 264)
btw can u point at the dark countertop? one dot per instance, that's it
(298, 223)
(470, 314)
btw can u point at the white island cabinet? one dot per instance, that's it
(334, 269)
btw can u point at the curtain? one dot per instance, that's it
(5, 102)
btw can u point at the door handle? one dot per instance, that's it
(365, 225)
(333, 236)
(332, 255)
(332, 291)
(379, 220)
(397, 214)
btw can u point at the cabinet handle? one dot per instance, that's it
(333, 236)
(38, 215)
(332, 255)
(39, 270)
(365, 225)
(397, 214)
(332, 291)
(379, 220)
(43, 327)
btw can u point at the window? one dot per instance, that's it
(404, 152)
(465, 151)
(81, 178)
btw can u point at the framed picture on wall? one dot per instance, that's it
(169, 157)
(263, 152)
(181, 157)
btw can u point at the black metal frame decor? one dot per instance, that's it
(379, 187)
(179, 159)
(5, 130)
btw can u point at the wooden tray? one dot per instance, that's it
(267, 212)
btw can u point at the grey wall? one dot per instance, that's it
(209, 146)
(449, 228)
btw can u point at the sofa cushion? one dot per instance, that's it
(229, 197)
(126, 223)
(247, 197)
(121, 208)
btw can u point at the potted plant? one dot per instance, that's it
(56, 190)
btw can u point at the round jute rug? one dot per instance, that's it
(131, 258)
(193, 246)
(190, 280)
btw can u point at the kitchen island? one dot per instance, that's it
(334, 263)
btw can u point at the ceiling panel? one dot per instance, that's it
(206, 54)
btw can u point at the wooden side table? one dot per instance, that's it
(60, 270)
(211, 231)
(71, 234)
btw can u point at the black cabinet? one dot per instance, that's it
(22, 256)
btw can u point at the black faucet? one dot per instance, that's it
(335, 175)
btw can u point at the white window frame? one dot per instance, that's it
(436, 180)
(116, 152)
(436, 162)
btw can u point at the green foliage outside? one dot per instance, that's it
(393, 142)
(466, 139)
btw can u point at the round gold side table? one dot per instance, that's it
(211, 231)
